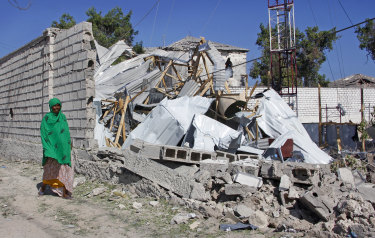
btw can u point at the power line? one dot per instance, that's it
(316, 24)
(345, 12)
(148, 13)
(153, 25)
(210, 17)
(346, 28)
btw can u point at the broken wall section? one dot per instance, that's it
(60, 63)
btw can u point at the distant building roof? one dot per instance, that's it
(353, 81)
(189, 42)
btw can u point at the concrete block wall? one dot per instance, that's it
(60, 63)
(23, 91)
(307, 108)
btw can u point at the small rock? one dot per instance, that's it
(154, 203)
(70, 226)
(194, 225)
(180, 218)
(78, 181)
(98, 191)
(121, 206)
(276, 214)
(137, 205)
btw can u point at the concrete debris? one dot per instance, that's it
(167, 132)
(259, 219)
(284, 183)
(238, 189)
(345, 175)
(243, 211)
(317, 204)
(248, 179)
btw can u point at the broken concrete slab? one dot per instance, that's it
(297, 172)
(345, 175)
(158, 173)
(238, 189)
(367, 191)
(317, 204)
(248, 179)
(284, 183)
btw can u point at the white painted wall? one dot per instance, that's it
(307, 108)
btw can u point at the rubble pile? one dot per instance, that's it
(168, 131)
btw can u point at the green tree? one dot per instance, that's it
(138, 48)
(111, 27)
(366, 37)
(310, 47)
(66, 22)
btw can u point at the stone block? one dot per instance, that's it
(248, 179)
(238, 189)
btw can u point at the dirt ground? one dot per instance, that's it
(25, 214)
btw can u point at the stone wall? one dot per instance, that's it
(60, 63)
(307, 108)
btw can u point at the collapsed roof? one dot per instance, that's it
(173, 98)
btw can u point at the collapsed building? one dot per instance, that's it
(168, 124)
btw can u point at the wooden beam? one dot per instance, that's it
(176, 72)
(122, 120)
(144, 89)
(208, 85)
(172, 76)
(249, 133)
(113, 119)
(163, 74)
(123, 125)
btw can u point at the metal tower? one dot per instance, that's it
(283, 67)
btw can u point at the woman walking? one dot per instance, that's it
(57, 165)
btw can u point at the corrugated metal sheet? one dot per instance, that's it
(189, 88)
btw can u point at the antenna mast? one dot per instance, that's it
(283, 67)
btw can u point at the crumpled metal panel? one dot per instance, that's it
(278, 120)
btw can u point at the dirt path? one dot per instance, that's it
(25, 214)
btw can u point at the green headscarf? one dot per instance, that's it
(55, 134)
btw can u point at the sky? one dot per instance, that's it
(233, 22)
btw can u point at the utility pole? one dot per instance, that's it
(283, 67)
